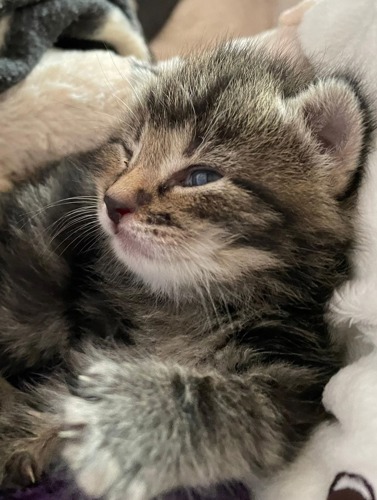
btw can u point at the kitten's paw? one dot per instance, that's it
(21, 470)
(111, 433)
(28, 459)
(86, 450)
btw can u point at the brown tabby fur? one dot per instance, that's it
(194, 338)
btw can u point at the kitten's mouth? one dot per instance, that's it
(134, 239)
(132, 242)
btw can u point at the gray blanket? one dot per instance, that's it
(28, 28)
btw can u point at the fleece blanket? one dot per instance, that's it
(45, 73)
(28, 28)
(59, 489)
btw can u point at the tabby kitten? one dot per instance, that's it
(182, 281)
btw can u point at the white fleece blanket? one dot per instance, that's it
(340, 461)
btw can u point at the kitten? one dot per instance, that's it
(180, 275)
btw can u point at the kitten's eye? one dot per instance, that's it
(201, 177)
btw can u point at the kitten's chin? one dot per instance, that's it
(148, 260)
(155, 273)
(154, 264)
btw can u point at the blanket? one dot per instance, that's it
(60, 489)
(28, 28)
(45, 73)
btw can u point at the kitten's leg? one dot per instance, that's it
(28, 438)
(134, 431)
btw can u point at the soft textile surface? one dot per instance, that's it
(59, 489)
(49, 490)
(197, 23)
(28, 28)
(40, 82)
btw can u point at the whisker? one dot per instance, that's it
(80, 108)
(78, 218)
(89, 228)
(63, 201)
(125, 78)
(73, 214)
(112, 89)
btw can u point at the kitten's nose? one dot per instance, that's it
(116, 209)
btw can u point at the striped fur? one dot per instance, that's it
(195, 333)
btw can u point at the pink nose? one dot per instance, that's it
(115, 209)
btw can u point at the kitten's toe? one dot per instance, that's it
(21, 470)
(137, 490)
(97, 476)
(94, 468)
(83, 387)
(95, 383)
(23, 461)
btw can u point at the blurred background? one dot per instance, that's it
(180, 26)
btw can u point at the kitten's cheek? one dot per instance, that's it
(106, 223)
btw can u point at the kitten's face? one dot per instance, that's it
(216, 174)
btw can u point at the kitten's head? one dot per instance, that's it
(229, 163)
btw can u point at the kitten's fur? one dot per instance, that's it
(208, 347)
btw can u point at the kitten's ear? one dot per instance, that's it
(334, 117)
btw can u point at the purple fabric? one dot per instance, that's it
(58, 489)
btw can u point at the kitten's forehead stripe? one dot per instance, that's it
(174, 108)
(193, 146)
